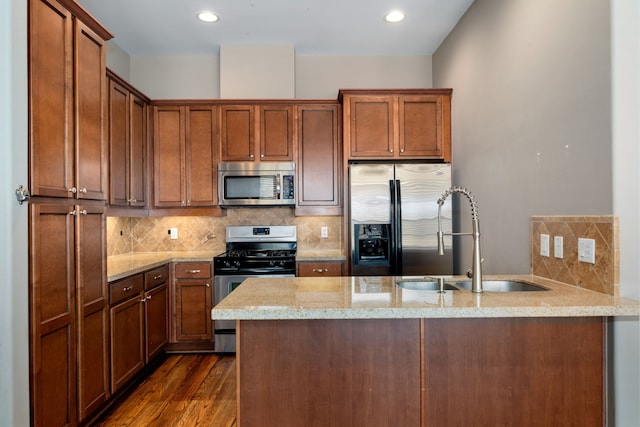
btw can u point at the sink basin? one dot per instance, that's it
(502, 286)
(425, 285)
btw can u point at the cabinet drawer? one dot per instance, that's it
(310, 269)
(125, 289)
(193, 270)
(156, 277)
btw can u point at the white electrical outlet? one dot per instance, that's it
(324, 232)
(173, 232)
(587, 250)
(544, 245)
(558, 247)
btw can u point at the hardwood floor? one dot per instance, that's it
(186, 390)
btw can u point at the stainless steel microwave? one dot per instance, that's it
(256, 184)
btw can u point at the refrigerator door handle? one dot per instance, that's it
(398, 228)
(393, 256)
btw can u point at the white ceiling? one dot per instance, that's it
(313, 27)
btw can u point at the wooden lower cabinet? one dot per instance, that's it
(422, 372)
(193, 302)
(127, 330)
(139, 323)
(319, 268)
(68, 323)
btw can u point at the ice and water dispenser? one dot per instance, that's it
(373, 244)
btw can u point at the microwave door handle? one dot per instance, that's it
(278, 187)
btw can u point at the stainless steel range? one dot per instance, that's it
(251, 251)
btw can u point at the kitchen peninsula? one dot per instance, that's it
(363, 351)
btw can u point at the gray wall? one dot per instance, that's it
(14, 334)
(316, 77)
(533, 134)
(531, 116)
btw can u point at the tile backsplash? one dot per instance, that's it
(197, 233)
(603, 276)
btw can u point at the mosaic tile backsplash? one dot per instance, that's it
(195, 233)
(603, 276)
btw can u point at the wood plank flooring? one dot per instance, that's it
(186, 390)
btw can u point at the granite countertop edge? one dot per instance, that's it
(335, 298)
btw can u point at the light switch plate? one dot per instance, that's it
(544, 245)
(558, 247)
(587, 250)
(324, 232)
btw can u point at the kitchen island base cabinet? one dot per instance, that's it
(430, 372)
(329, 373)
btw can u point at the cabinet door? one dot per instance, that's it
(138, 134)
(168, 157)
(276, 132)
(237, 133)
(93, 310)
(193, 310)
(422, 131)
(371, 123)
(90, 103)
(156, 314)
(319, 159)
(52, 312)
(118, 144)
(127, 341)
(50, 99)
(201, 157)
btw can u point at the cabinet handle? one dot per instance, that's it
(159, 276)
(402, 150)
(193, 271)
(148, 297)
(262, 156)
(127, 288)
(251, 156)
(320, 270)
(83, 190)
(132, 200)
(207, 285)
(83, 212)
(391, 150)
(73, 190)
(74, 212)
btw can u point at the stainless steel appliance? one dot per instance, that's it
(251, 251)
(394, 219)
(256, 184)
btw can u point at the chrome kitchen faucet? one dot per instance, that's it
(476, 266)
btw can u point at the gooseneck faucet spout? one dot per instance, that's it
(476, 266)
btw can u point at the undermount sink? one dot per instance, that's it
(424, 285)
(502, 286)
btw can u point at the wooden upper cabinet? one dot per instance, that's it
(397, 124)
(319, 160)
(237, 133)
(276, 132)
(68, 150)
(256, 132)
(90, 92)
(51, 171)
(127, 135)
(185, 158)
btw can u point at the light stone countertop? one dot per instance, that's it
(319, 255)
(121, 266)
(379, 297)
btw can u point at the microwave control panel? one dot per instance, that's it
(288, 187)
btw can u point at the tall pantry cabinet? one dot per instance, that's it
(68, 181)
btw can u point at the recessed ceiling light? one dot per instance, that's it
(207, 16)
(394, 16)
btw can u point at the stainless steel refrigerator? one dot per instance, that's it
(394, 219)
